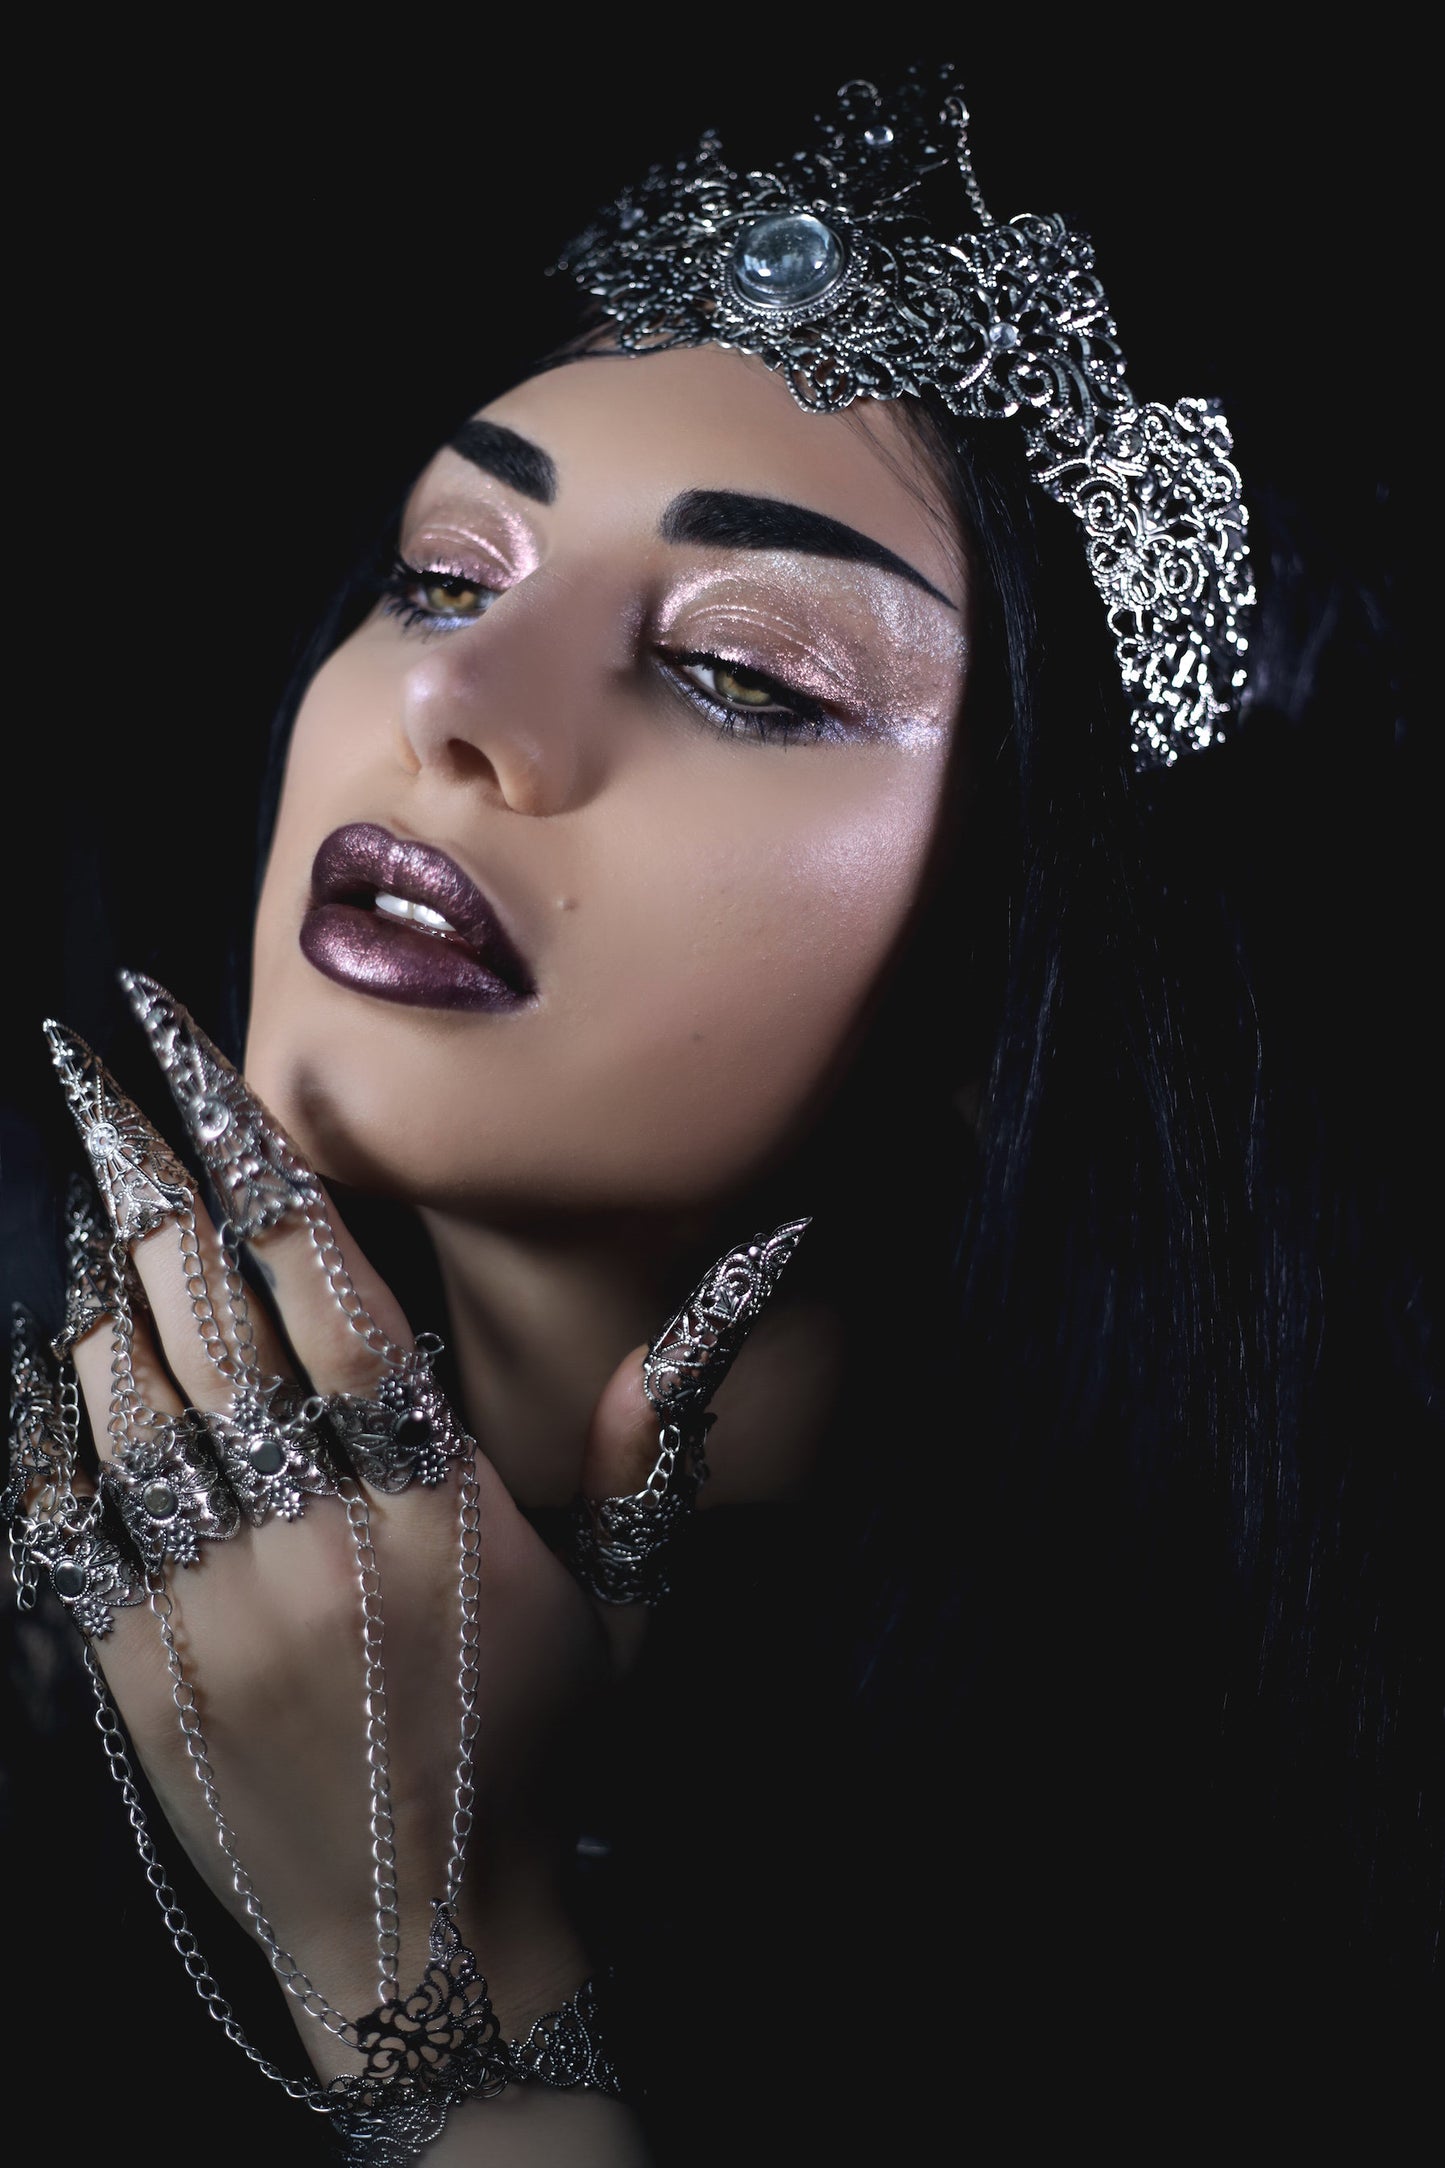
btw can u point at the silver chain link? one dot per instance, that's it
(383, 1829)
(958, 113)
(469, 1576)
(343, 1290)
(127, 1410)
(238, 1362)
(172, 1912)
(378, 1742)
(183, 1695)
(243, 1332)
(198, 1289)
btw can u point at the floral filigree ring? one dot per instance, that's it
(406, 1429)
(267, 1445)
(168, 1489)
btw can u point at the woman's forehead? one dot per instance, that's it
(642, 428)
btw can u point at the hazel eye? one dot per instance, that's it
(445, 596)
(737, 687)
(428, 598)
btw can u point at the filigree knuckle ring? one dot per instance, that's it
(268, 1447)
(166, 1484)
(405, 1431)
(92, 1574)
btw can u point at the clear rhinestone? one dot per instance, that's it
(787, 260)
(160, 1501)
(70, 1579)
(267, 1455)
(878, 136)
(1003, 335)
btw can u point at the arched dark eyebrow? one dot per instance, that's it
(729, 520)
(515, 460)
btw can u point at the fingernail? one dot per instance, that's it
(257, 1172)
(91, 1291)
(695, 1350)
(141, 1182)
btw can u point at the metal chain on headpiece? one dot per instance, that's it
(826, 269)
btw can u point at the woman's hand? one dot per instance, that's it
(371, 1679)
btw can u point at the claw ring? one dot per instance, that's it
(617, 1547)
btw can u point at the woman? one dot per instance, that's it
(629, 587)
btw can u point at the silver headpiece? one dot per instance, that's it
(826, 270)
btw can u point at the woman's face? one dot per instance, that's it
(657, 728)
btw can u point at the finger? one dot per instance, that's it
(644, 1459)
(50, 1502)
(117, 1357)
(103, 1298)
(91, 1291)
(622, 1436)
(205, 1325)
(162, 1479)
(94, 1295)
(696, 1348)
(679, 1373)
(343, 1322)
(41, 1456)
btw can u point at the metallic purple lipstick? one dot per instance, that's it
(403, 922)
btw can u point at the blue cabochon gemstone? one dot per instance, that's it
(786, 260)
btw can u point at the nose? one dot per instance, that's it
(502, 707)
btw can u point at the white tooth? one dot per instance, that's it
(402, 907)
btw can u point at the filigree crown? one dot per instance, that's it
(826, 269)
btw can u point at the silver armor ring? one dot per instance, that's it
(90, 1573)
(167, 1486)
(406, 1430)
(268, 1447)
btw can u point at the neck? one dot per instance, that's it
(541, 1319)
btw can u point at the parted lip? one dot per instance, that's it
(356, 862)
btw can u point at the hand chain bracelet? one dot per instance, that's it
(178, 1482)
(376, 2128)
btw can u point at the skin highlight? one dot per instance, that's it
(709, 915)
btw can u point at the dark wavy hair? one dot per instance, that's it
(1053, 1652)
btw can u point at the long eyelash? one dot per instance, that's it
(395, 584)
(803, 718)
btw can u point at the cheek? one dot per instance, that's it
(731, 912)
(728, 978)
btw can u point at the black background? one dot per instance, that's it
(260, 280)
(266, 278)
(264, 274)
